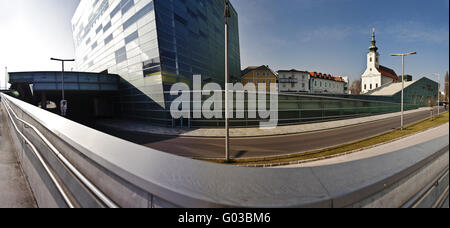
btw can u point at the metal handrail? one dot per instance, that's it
(98, 193)
(422, 194)
(42, 161)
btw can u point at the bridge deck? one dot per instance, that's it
(14, 188)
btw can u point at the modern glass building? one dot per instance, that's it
(153, 45)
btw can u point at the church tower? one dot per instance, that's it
(373, 57)
(376, 75)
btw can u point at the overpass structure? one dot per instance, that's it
(70, 165)
(88, 94)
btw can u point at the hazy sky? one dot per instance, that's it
(330, 36)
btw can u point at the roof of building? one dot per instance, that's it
(325, 76)
(388, 72)
(293, 70)
(252, 68)
(390, 89)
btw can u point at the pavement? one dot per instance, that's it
(145, 127)
(404, 143)
(14, 188)
(250, 147)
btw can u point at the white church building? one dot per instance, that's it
(376, 75)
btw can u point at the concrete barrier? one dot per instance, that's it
(127, 175)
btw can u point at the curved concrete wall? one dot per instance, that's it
(136, 176)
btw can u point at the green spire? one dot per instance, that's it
(373, 48)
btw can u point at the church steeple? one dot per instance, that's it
(374, 47)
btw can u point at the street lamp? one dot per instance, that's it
(403, 83)
(439, 92)
(63, 101)
(227, 15)
(6, 78)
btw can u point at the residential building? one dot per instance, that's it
(326, 84)
(376, 75)
(153, 45)
(294, 81)
(259, 75)
(347, 84)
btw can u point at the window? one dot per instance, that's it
(377, 85)
(107, 26)
(108, 39)
(148, 8)
(370, 59)
(99, 29)
(365, 87)
(121, 55)
(131, 37)
(127, 6)
(371, 86)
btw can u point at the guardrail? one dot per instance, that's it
(87, 168)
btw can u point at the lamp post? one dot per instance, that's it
(439, 92)
(227, 15)
(6, 78)
(63, 101)
(403, 83)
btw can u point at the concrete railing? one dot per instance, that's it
(81, 167)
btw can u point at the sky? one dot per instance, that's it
(329, 36)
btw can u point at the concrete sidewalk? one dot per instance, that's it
(382, 149)
(146, 128)
(14, 189)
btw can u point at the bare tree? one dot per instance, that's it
(356, 87)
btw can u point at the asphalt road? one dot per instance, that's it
(266, 146)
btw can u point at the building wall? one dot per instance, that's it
(294, 81)
(152, 45)
(259, 77)
(325, 86)
(371, 82)
(420, 93)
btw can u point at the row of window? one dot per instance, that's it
(124, 6)
(293, 85)
(260, 81)
(327, 85)
(93, 18)
(371, 86)
(264, 74)
(293, 76)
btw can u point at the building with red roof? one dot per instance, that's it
(294, 81)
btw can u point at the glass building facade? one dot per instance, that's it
(153, 45)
